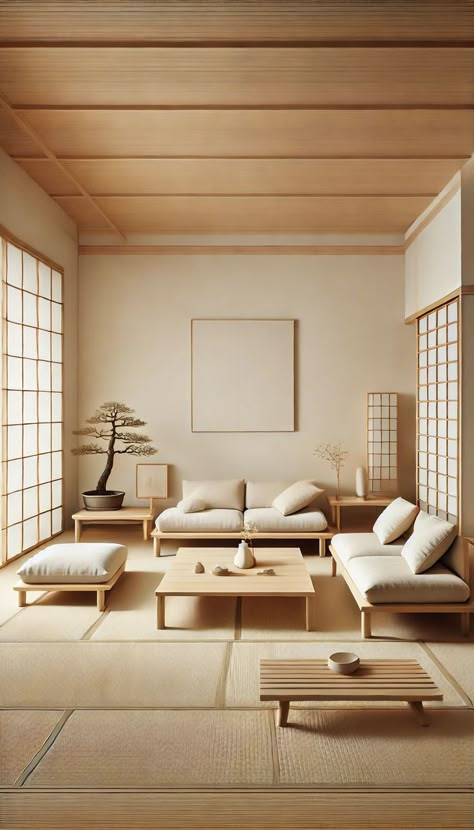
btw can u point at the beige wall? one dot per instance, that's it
(433, 260)
(134, 330)
(28, 213)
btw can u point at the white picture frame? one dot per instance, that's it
(242, 375)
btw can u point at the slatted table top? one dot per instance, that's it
(291, 574)
(374, 680)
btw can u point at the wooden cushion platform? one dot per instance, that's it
(100, 588)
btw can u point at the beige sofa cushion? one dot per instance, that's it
(296, 497)
(79, 563)
(383, 579)
(262, 493)
(213, 521)
(394, 520)
(352, 545)
(225, 493)
(430, 539)
(192, 505)
(267, 519)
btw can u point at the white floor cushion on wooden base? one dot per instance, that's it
(73, 567)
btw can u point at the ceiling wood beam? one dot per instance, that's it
(285, 250)
(12, 43)
(31, 132)
(234, 107)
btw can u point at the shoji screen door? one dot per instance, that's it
(438, 411)
(32, 400)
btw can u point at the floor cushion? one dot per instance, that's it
(268, 520)
(382, 579)
(352, 545)
(74, 563)
(214, 521)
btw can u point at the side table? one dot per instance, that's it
(126, 515)
(354, 501)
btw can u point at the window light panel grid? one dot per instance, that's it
(32, 400)
(437, 415)
(382, 443)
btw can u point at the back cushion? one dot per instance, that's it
(225, 493)
(262, 493)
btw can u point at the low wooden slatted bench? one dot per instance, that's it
(322, 536)
(287, 680)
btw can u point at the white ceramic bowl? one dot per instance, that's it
(343, 662)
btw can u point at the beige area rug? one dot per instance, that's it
(22, 734)
(131, 613)
(375, 748)
(72, 675)
(458, 660)
(152, 748)
(243, 673)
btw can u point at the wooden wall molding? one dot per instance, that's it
(301, 250)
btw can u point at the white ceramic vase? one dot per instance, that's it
(244, 557)
(361, 483)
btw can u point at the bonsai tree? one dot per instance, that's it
(111, 423)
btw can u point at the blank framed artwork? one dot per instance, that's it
(242, 375)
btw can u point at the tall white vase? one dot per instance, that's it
(361, 483)
(244, 557)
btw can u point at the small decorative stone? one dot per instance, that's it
(199, 568)
(266, 572)
(218, 570)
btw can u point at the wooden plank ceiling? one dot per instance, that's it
(221, 116)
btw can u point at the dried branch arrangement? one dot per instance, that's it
(111, 423)
(335, 455)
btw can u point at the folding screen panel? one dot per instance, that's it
(32, 400)
(438, 411)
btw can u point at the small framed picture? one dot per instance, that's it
(152, 481)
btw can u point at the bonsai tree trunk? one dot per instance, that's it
(102, 483)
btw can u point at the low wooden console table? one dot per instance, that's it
(354, 501)
(126, 515)
(287, 680)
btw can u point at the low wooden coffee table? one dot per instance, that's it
(287, 680)
(291, 577)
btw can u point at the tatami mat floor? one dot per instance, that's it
(98, 700)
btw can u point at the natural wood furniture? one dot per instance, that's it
(322, 536)
(99, 587)
(287, 680)
(291, 577)
(126, 515)
(354, 501)
(460, 565)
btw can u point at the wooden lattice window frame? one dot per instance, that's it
(382, 443)
(438, 409)
(32, 409)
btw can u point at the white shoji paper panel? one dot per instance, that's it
(32, 420)
(438, 412)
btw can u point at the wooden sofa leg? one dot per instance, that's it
(101, 600)
(333, 567)
(365, 628)
(156, 546)
(21, 599)
(465, 623)
(322, 546)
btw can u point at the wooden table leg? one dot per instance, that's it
(416, 707)
(366, 629)
(282, 714)
(145, 530)
(308, 610)
(77, 530)
(338, 516)
(160, 611)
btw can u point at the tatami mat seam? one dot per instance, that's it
(221, 689)
(447, 675)
(95, 625)
(38, 757)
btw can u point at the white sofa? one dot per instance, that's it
(381, 581)
(236, 504)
